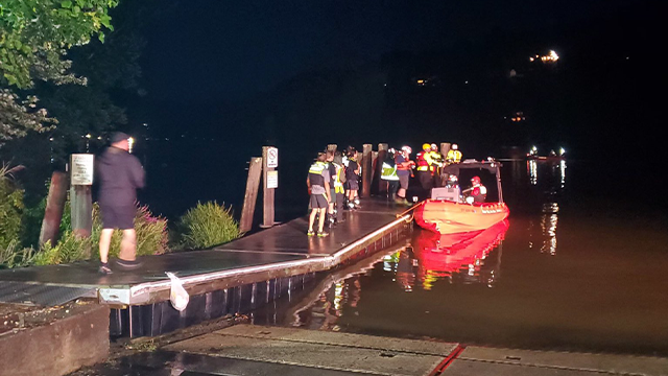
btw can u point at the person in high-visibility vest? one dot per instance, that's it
(389, 174)
(318, 184)
(404, 170)
(454, 155)
(337, 180)
(423, 161)
(437, 162)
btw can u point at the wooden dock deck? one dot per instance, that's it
(279, 252)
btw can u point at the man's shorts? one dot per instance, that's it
(319, 201)
(353, 185)
(403, 181)
(120, 217)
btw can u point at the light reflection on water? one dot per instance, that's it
(557, 276)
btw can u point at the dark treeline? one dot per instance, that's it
(598, 98)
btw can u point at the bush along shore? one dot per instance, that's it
(203, 226)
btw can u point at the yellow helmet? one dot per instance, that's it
(426, 146)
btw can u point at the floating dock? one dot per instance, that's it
(236, 277)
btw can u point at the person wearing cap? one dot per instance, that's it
(318, 184)
(120, 174)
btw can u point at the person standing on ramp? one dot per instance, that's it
(120, 174)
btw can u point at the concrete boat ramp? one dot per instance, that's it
(245, 350)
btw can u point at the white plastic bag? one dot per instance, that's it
(178, 296)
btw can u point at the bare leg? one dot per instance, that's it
(129, 245)
(321, 220)
(105, 241)
(311, 219)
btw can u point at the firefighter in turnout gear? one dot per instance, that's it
(454, 155)
(423, 160)
(437, 163)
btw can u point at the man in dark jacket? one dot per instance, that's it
(120, 174)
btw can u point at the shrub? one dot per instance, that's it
(207, 225)
(13, 256)
(70, 248)
(152, 237)
(11, 207)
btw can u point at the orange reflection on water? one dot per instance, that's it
(442, 256)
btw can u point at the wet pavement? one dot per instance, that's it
(244, 350)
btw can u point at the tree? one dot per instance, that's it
(34, 38)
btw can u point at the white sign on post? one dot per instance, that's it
(82, 169)
(272, 157)
(272, 179)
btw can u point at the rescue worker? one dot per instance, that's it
(477, 194)
(318, 184)
(423, 160)
(451, 181)
(454, 155)
(437, 163)
(404, 171)
(389, 174)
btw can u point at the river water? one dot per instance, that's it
(580, 265)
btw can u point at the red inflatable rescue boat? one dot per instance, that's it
(447, 212)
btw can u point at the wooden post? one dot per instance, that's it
(445, 148)
(382, 155)
(374, 160)
(366, 170)
(55, 203)
(250, 198)
(269, 155)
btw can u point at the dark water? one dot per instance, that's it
(581, 266)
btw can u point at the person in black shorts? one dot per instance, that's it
(120, 174)
(318, 184)
(352, 178)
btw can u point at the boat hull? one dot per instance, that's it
(446, 217)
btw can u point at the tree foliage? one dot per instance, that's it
(34, 38)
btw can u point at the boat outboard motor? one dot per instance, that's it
(446, 193)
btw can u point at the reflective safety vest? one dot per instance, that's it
(435, 159)
(389, 172)
(315, 174)
(454, 156)
(422, 163)
(338, 185)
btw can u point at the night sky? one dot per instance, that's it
(230, 50)
(268, 72)
(222, 78)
